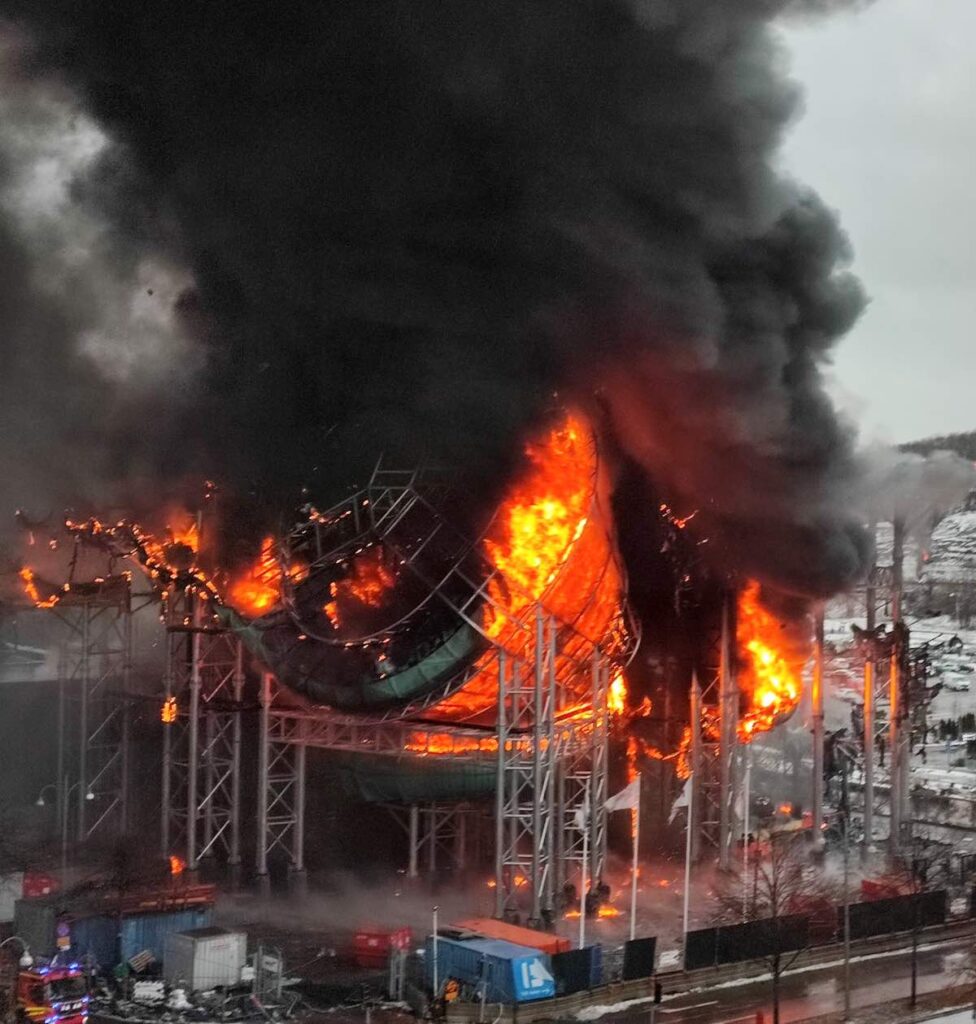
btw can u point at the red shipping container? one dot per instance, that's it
(371, 947)
(37, 883)
(882, 889)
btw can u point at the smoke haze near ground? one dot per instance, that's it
(315, 232)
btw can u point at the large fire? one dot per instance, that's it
(367, 583)
(549, 545)
(259, 588)
(767, 673)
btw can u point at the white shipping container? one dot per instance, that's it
(203, 958)
(11, 890)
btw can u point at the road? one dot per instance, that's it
(874, 979)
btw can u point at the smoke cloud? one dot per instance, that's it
(410, 227)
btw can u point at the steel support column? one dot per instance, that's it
(899, 725)
(203, 695)
(817, 702)
(95, 671)
(869, 739)
(729, 716)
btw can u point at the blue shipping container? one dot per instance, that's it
(103, 936)
(95, 937)
(149, 931)
(507, 973)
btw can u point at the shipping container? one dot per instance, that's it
(149, 931)
(371, 947)
(502, 971)
(106, 937)
(204, 958)
(38, 883)
(490, 928)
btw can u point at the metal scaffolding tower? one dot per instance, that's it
(551, 781)
(713, 747)
(899, 718)
(94, 675)
(201, 715)
(886, 733)
(282, 749)
(438, 834)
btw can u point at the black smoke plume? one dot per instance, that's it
(408, 226)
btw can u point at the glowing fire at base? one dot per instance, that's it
(768, 675)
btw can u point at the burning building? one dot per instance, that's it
(392, 228)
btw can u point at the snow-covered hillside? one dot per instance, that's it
(952, 552)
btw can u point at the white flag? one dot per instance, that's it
(683, 799)
(628, 799)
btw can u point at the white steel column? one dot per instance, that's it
(729, 717)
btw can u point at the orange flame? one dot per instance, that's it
(30, 589)
(187, 534)
(770, 676)
(177, 865)
(632, 749)
(258, 589)
(548, 544)
(370, 579)
(167, 713)
(617, 695)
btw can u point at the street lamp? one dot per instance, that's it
(26, 960)
(64, 793)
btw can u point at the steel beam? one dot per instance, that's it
(817, 702)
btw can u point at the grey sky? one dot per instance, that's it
(889, 139)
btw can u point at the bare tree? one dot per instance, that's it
(784, 884)
(922, 869)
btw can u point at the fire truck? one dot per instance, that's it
(47, 995)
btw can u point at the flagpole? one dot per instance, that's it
(586, 852)
(745, 835)
(691, 808)
(635, 838)
(695, 720)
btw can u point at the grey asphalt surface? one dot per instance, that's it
(809, 992)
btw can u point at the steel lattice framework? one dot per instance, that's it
(95, 663)
(203, 693)
(714, 745)
(544, 729)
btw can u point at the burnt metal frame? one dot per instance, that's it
(95, 663)
(713, 760)
(201, 778)
(544, 765)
